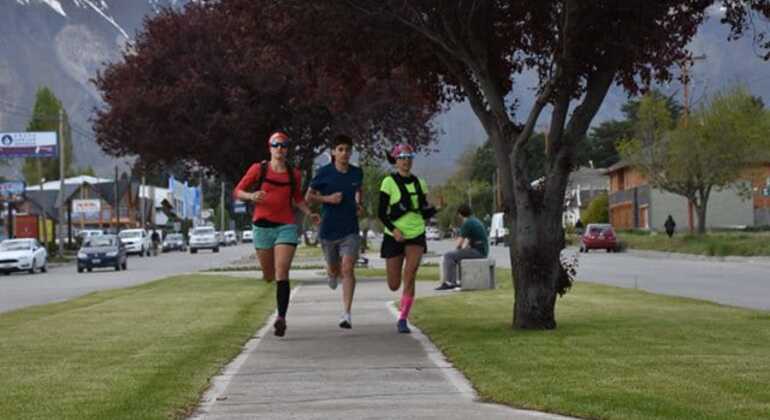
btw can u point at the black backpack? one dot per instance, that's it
(405, 205)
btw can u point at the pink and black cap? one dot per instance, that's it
(278, 136)
(401, 151)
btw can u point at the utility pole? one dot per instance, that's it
(61, 181)
(686, 120)
(116, 210)
(142, 201)
(222, 208)
(45, 216)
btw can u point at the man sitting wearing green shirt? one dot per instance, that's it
(472, 242)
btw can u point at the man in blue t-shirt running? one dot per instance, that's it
(472, 242)
(338, 187)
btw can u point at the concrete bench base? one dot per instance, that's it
(477, 274)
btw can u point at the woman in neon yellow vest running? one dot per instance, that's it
(403, 210)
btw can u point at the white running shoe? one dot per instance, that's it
(346, 322)
(332, 282)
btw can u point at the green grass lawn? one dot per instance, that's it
(145, 352)
(713, 244)
(616, 354)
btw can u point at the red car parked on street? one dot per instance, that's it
(599, 236)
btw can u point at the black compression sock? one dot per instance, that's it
(282, 294)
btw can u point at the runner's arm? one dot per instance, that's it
(382, 211)
(247, 181)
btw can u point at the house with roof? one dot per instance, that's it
(583, 185)
(634, 204)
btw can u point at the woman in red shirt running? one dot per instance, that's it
(275, 231)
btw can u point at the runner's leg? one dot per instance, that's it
(393, 267)
(267, 263)
(283, 253)
(413, 256)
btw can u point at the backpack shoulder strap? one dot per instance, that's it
(262, 174)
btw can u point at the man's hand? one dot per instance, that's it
(398, 235)
(335, 198)
(315, 218)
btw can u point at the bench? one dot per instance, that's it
(475, 274)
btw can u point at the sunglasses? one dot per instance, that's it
(409, 156)
(279, 144)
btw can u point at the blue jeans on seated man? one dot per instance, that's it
(451, 260)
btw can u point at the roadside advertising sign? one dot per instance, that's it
(32, 144)
(12, 191)
(86, 206)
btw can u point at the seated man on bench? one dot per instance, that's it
(472, 242)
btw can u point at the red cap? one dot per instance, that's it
(278, 135)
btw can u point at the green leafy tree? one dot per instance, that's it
(46, 118)
(707, 152)
(597, 210)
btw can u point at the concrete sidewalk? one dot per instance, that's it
(319, 371)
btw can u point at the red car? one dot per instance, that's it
(599, 236)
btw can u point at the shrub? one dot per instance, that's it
(597, 211)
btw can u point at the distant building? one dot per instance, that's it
(634, 204)
(583, 186)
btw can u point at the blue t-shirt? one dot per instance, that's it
(338, 220)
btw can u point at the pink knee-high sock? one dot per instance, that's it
(406, 306)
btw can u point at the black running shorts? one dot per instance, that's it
(392, 248)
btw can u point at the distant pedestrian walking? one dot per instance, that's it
(670, 226)
(472, 243)
(338, 186)
(403, 210)
(275, 232)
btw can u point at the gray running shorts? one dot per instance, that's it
(336, 249)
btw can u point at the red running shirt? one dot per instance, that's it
(275, 206)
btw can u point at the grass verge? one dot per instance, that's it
(711, 244)
(616, 354)
(258, 268)
(145, 352)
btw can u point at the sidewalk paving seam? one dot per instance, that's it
(435, 355)
(221, 381)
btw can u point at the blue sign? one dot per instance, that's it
(12, 190)
(239, 206)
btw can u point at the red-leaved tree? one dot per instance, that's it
(206, 85)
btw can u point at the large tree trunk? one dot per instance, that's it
(537, 269)
(701, 212)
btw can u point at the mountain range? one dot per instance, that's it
(62, 43)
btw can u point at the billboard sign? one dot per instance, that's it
(24, 145)
(12, 191)
(86, 206)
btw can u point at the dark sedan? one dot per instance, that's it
(102, 251)
(174, 242)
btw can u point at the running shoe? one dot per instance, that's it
(333, 283)
(280, 327)
(446, 286)
(345, 322)
(403, 327)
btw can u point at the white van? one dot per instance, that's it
(497, 231)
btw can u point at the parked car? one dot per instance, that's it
(231, 238)
(497, 231)
(136, 241)
(248, 236)
(432, 233)
(203, 237)
(599, 236)
(88, 233)
(102, 251)
(22, 255)
(174, 242)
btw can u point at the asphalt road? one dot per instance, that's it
(741, 282)
(61, 283)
